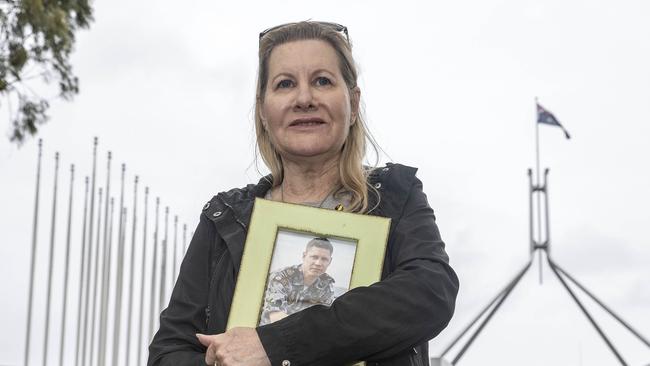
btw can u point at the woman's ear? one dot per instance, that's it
(355, 98)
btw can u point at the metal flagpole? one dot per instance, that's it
(33, 253)
(90, 254)
(175, 256)
(531, 189)
(51, 261)
(93, 313)
(81, 273)
(67, 261)
(118, 298)
(106, 254)
(540, 259)
(542, 245)
(163, 267)
(106, 280)
(537, 182)
(131, 269)
(547, 233)
(184, 239)
(120, 275)
(142, 274)
(152, 299)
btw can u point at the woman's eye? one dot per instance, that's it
(286, 83)
(322, 81)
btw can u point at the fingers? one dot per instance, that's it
(212, 343)
(238, 346)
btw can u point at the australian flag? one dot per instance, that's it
(546, 117)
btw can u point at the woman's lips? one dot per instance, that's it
(306, 122)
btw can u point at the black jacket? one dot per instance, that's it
(388, 323)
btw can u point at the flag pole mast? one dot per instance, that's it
(537, 184)
(152, 298)
(82, 273)
(129, 326)
(33, 252)
(142, 274)
(538, 242)
(67, 261)
(536, 146)
(51, 260)
(90, 254)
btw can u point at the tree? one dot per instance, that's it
(36, 40)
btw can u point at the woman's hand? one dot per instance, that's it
(236, 347)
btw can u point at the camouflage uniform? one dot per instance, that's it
(286, 292)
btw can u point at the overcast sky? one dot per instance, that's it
(448, 87)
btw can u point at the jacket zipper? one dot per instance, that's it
(207, 308)
(207, 317)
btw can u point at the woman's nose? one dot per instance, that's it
(304, 98)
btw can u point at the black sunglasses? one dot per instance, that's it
(335, 26)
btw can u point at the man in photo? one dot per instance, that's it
(298, 287)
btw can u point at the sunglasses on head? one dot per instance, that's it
(335, 26)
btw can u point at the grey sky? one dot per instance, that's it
(448, 87)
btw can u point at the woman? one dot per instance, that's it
(311, 135)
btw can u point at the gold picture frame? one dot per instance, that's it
(270, 218)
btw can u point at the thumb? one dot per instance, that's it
(205, 340)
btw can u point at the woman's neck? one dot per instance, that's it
(308, 182)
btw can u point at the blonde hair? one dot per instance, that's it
(352, 173)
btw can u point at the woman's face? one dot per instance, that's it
(307, 107)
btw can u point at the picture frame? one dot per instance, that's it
(358, 242)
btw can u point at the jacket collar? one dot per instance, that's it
(241, 201)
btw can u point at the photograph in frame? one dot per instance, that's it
(306, 270)
(277, 238)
